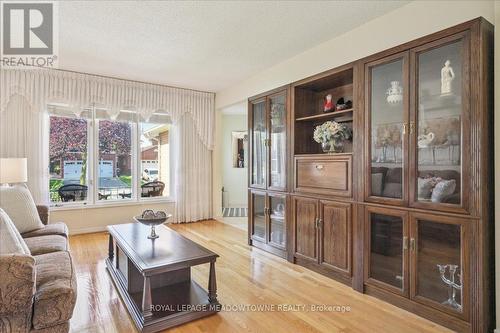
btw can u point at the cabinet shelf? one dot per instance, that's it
(328, 115)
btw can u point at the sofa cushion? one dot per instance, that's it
(394, 175)
(424, 188)
(55, 295)
(443, 189)
(46, 244)
(10, 239)
(58, 228)
(19, 205)
(393, 190)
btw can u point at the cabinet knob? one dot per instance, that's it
(412, 127)
(413, 246)
(319, 166)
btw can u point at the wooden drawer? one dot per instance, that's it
(327, 174)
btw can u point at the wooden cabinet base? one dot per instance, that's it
(268, 248)
(343, 278)
(442, 318)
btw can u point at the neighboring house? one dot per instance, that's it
(159, 151)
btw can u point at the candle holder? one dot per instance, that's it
(452, 285)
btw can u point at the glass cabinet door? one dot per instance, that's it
(439, 261)
(277, 215)
(258, 211)
(259, 140)
(387, 111)
(277, 115)
(387, 250)
(440, 118)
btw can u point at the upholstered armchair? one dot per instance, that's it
(38, 291)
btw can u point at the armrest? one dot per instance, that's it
(43, 212)
(17, 285)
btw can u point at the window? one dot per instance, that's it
(96, 158)
(115, 160)
(68, 156)
(154, 164)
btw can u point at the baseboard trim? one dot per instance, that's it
(87, 230)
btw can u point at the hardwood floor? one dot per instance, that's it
(245, 275)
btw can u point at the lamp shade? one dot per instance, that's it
(13, 170)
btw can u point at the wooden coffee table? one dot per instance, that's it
(153, 277)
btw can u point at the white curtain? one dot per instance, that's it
(23, 134)
(192, 181)
(77, 91)
(25, 94)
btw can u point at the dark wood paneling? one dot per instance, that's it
(305, 215)
(335, 236)
(326, 174)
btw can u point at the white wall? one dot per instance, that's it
(417, 19)
(90, 219)
(234, 180)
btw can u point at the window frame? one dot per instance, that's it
(92, 200)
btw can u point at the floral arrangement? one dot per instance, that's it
(331, 131)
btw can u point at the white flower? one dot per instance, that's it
(331, 130)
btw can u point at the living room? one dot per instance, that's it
(249, 166)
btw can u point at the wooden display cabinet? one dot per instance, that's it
(406, 211)
(268, 213)
(427, 175)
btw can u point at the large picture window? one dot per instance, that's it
(98, 159)
(115, 160)
(68, 151)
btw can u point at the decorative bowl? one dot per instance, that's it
(152, 219)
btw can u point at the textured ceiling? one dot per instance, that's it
(206, 45)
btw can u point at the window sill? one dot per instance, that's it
(110, 204)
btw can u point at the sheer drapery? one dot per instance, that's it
(23, 134)
(25, 94)
(192, 165)
(77, 91)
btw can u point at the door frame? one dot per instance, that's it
(404, 291)
(343, 205)
(465, 152)
(294, 200)
(465, 242)
(405, 56)
(283, 92)
(251, 229)
(251, 134)
(268, 222)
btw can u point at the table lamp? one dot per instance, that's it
(13, 170)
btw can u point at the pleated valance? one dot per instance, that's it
(77, 91)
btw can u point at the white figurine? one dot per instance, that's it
(394, 93)
(447, 76)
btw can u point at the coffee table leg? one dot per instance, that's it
(212, 283)
(146, 298)
(111, 253)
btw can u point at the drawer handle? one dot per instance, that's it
(319, 167)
